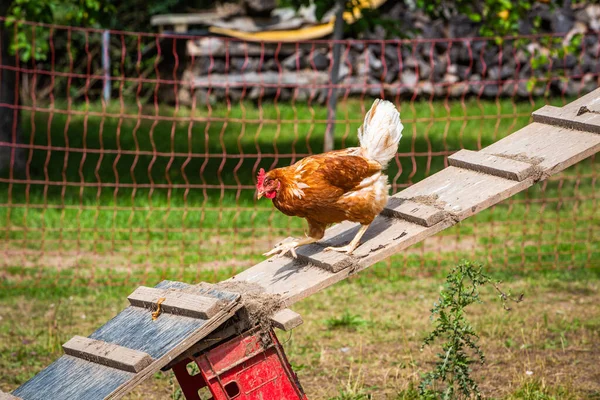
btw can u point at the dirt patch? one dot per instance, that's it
(258, 306)
(522, 157)
(434, 201)
(538, 173)
(429, 200)
(60, 260)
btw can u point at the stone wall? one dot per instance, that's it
(445, 60)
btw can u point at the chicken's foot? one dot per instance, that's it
(350, 247)
(284, 247)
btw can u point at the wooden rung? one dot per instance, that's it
(108, 354)
(286, 319)
(418, 213)
(569, 117)
(492, 165)
(176, 302)
(316, 255)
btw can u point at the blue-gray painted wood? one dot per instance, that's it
(74, 378)
(71, 378)
(134, 328)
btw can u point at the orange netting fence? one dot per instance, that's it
(143, 167)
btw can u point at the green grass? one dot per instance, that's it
(76, 235)
(554, 333)
(72, 254)
(346, 321)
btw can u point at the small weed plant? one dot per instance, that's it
(451, 377)
(347, 321)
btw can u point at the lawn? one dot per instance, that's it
(362, 336)
(111, 201)
(113, 198)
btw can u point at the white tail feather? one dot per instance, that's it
(381, 132)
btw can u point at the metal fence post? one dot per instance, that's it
(106, 65)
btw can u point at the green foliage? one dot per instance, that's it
(33, 42)
(459, 348)
(497, 18)
(411, 393)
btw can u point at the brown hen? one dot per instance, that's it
(342, 185)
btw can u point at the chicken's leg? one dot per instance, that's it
(284, 247)
(348, 249)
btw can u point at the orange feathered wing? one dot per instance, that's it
(313, 187)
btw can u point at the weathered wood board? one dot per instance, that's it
(163, 339)
(553, 148)
(413, 211)
(491, 164)
(582, 119)
(73, 378)
(175, 302)
(294, 79)
(107, 354)
(286, 319)
(447, 197)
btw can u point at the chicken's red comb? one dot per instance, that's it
(261, 177)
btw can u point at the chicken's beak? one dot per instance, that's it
(259, 195)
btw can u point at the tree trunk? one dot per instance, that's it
(9, 115)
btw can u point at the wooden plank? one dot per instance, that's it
(553, 148)
(190, 340)
(594, 104)
(107, 354)
(280, 275)
(176, 302)
(286, 319)
(8, 396)
(220, 47)
(172, 347)
(330, 260)
(163, 339)
(582, 114)
(591, 99)
(418, 213)
(71, 378)
(491, 164)
(458, 192)
(569, 118)
(184, 19)
(387, 236)
(291, 79)
(462, 192)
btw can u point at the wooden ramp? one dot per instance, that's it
(474, 181)
(132, 346)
